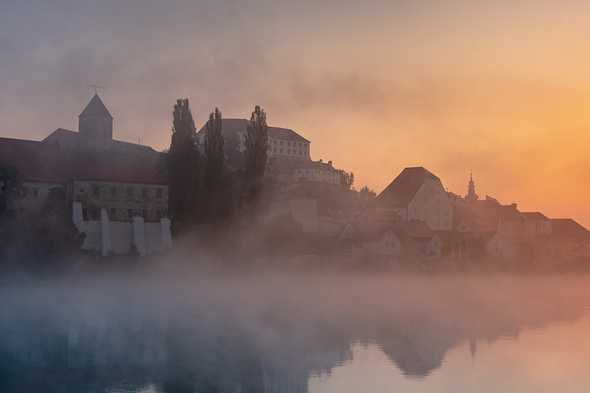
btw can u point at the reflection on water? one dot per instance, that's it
(296, 334)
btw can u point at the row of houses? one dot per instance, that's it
(416, 217)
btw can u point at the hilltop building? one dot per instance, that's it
(110, 183)
(417, 194)
(289, 153)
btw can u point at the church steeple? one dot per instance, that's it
(471, 195)
(96, 123)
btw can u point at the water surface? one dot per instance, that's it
(296, 333)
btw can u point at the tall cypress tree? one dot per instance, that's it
(256, 152)
(214, 150)
(183, 165)
(214, 166)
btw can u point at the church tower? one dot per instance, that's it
(471, 195)
(95, 124)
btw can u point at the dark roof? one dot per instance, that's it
(403, 188)
(534, 216)
(230, 127)
(72, 138)
(568, 228)
(96, 108)
(509, 213)
(42, 162)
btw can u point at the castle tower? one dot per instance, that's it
(95, 124)
(471, 195)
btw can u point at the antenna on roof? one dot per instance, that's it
(96, 87)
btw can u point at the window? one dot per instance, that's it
(144, 214)
(112, 213)
(113, 191)
(130, 213)
(130, 192)
(35, 192)
(96, 191)
(144, 192)
(159, 193)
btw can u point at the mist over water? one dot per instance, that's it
(194, 332)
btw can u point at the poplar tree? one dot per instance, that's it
(214, 165)
(214, 151)
(183, 165)
(256, 151)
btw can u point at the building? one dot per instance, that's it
(417, 194)
(103, 176)
(471, 195)
(283, 143)
(289, 156)
(536, 225)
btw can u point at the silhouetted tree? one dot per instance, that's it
(8, 187)
(214, 164)
(346, 179)
(183, 166)
(256, 149)
(55, 234)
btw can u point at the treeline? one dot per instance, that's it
(202, 187)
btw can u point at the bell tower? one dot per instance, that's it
(471, 195)
(95, 124)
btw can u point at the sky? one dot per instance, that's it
(500, 89)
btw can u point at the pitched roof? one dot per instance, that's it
(43, 162)
(534, 216)
(230, 127)
(568, 228)
(96, 108)
(405, 186)
(72, 139)
(509, 213)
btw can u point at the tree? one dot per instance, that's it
(55, 234)
(214, 151)
(346, 179)
(183, 165)
(214, 165)
(8, 187)
(256, 148)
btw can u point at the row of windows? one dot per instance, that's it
(31, 192)
(275, 150)
(129, 191)
(288, 143)
(118, 214)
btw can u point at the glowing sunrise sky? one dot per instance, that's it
(501, 88)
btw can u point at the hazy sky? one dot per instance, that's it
(500, 88)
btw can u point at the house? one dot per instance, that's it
(568, 239)
(417, 194)
(536, 225)
(99, 174)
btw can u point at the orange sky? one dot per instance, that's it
(499, 89)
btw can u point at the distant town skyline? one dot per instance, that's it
(500, 90)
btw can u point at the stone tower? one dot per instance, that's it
(471, 195)
(95, 124)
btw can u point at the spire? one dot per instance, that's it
(471, 195)
(96, 108)
(95, 123)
